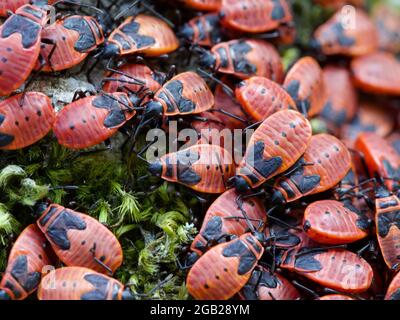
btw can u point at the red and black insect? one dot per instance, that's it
(335, 222)
(202, 167)
(337, 269)
(261, 97)
(20, 46)
(224, 219)
(351, 35)
(387, 219)
(186, 93)
(274, 147)
(78, 283)
(80, 240)
(91, 120)
(380, 157)
(232, 264)
(142, 34)
(377, 73)
(244, 58)
(342, 103)
(25, 119)
(305, 84)
(255, 16)
(203, 5)
(68, 42)
(204, 30)
(28, 257)
(265, 285)
(393, 292)
(324, 164)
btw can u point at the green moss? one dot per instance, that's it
(153, 226)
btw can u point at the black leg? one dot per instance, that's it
(51, 53)
(93, 251)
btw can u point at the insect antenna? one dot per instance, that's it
(147, 7)
(156, 13)
(226, 88)
(123, 12)
(281, 222)
(73, 3)
(239, 202)
(320, 249)
(155, 288)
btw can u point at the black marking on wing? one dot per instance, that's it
(213, 229)
(239, 50)
(362, 222)
(201, 30)
(307, 261)
(169, 170)
(175, 88)
(116, 116)
(58, 229)
(386, 221)
(100, 283)
(14, 290)
(215, 30)
(266, 167)
(45, 218)
(278, 12)
(86, 38)
(247, 259)
(395, 295)
(342, 38)
(35, 12)
(288, 189)
(116, 289)
(187, 175)
(96, 28)
(29, 281)
(304, 183)
(29, 30)
(223, 57)
(337, 118)
(121, 40)
(392, 173)
(396, 145)
(141, 41)
(5, 139)
(293, 88)
(254, 243)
